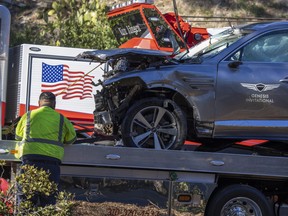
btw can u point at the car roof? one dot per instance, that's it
(265, 25)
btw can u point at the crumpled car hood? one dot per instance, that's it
(105, 55)
(121, 60)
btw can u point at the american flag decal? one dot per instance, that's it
(61, 81)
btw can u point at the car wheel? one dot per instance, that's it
(239, 200)
(154, 123)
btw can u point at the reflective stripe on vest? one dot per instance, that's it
(44, 141)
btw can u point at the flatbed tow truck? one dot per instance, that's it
(229, 181)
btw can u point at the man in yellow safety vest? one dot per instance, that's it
(42, 133)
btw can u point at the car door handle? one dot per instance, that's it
(285, 80)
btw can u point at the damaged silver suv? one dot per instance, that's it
(233, 85)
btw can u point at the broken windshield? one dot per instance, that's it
(212, 46)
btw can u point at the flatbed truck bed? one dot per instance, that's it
(214, 174)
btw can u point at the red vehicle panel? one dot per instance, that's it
(142, 25)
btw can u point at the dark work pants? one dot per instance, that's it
(54, 169)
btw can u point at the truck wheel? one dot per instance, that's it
(154, 123)
(239, 200)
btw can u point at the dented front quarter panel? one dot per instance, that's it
(194, 82)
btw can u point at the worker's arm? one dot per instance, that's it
(20, 128)
(70, 134)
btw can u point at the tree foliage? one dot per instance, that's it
(79, 24)
(71, 23)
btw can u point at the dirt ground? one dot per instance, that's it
(118, 209)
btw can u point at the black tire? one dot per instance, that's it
(239, 200)
(142, 129)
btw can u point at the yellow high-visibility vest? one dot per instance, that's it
(43, 132)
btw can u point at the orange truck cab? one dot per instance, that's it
(139, 24)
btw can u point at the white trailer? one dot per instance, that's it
(36, 68)
(5, 19)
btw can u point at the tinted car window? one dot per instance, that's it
(271, 47)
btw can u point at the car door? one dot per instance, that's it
(252, 89)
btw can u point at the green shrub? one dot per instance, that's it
(69, 23)
(34, 181)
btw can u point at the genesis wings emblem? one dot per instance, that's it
(260, 87)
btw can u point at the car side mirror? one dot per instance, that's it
(235, 64)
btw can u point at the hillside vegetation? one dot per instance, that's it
(28, 16)
(228, 8)
(225, 8)
(27, 10)
(269, 9)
